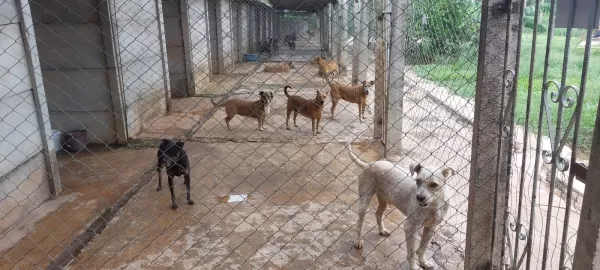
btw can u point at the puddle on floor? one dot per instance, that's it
(233, 198)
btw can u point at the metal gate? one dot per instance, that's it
(548, 133)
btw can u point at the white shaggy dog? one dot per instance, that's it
(422, 199)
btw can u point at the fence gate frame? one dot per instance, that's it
(505, 241)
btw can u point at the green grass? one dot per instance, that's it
(459, 75)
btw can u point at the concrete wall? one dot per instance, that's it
(199, 42)
(226, 34)
(75, 68)
(235, 25)
(23, 173)
(244, 33)
(175, 41)
(140, 43)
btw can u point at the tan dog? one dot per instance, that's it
(422, 198)
(310, 108)
(327, 69)
(256, 109)
(353, 94)
(284, 67)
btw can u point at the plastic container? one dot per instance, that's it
(251, 57)
(56, 139)
(75, 140)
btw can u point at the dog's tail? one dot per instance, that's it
(219, 104)
(354, 158)
(285, 90)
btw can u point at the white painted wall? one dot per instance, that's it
(23, 174)
(199, 42)
(139, 43)
(227, 34)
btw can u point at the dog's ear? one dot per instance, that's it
(447, 172)
(261, 93)
(166, 140)
(371, 83)
(364, 82)
(415, 168)
(179, 144)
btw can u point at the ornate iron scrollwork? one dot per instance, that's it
(566, 98)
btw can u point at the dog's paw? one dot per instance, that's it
(158, 188)
(174, 206)
(358, 244)
(427, 264)
(384, 232)
(190, 202)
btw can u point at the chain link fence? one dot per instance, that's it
(90, 88)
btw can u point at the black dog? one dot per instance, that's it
(275, 45)
(290, 40)
(172, 156)
(264, 46)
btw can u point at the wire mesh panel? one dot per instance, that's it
(192, 134)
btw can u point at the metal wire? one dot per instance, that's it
(131, 73)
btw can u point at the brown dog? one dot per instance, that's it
(327, 69)
(284, 67)
(353, 94)
(256, 109)
(310, 108)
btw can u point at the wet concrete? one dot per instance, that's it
(299, 213)
(92, 180)
(294, 205)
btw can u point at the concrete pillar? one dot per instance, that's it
(336, 46)
(252, 25)
(263, 24)
(278, 18)
(381, 66)
(490, 152)
(393, 136)
(587, 249)
(344, 57)
(321, 30)
(360, 51)
(244, 28)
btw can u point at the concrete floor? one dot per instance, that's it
(285, 199)
(92, 181)
(289, 204)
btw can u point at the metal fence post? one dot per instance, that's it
(381, 66)
(163, 53)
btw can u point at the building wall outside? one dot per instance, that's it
(178, 75)
(74, 67)
(226, 34)
(23, 173)
(199, 42)
(140, 46)
(243, 21)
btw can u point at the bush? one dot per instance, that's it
(451, 26)
(529, 14)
